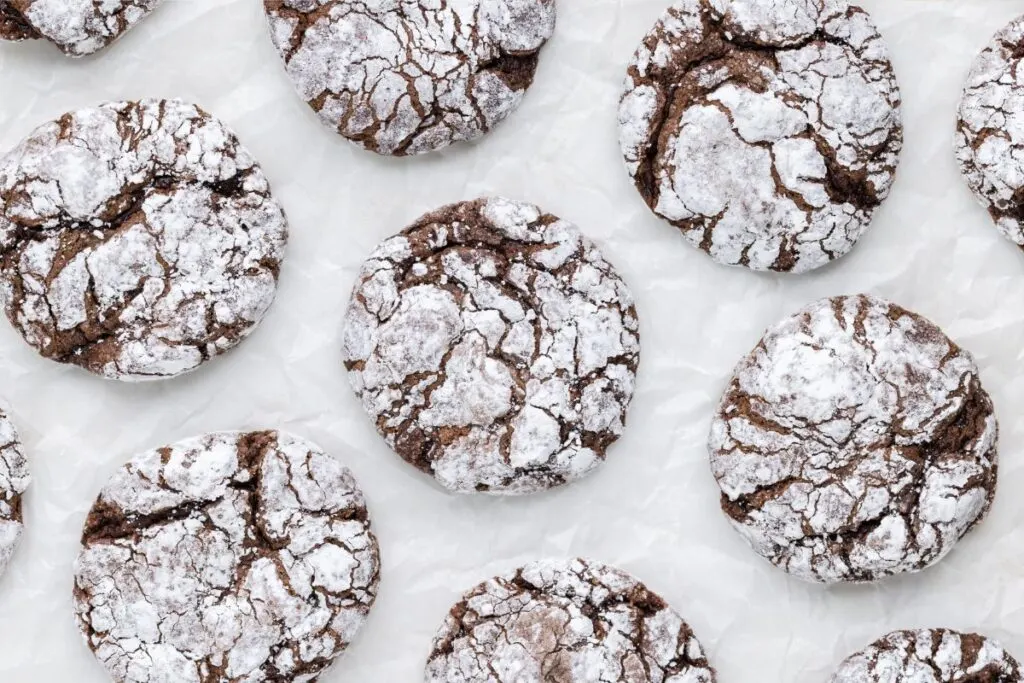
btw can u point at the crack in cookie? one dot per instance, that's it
(77, 27)
(989, 135)
(767, 131)
(14, 481)
(930, 656)
(411, 76)
(137, 239)
(494, 347)
(573, 621)
(226, 558)
(855, 442)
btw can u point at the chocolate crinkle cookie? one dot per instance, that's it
(411, 76)
(989, 137)
(14, 480)
(855, 442)
(137, 239)
(767, 131)
(494, 347)
(573, 621)
(77, 27)
(930, 656)
(226, 558)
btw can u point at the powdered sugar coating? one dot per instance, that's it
(990, 131)
(137, 239)
(573, 621)
(411, 76)
(494, 347)
(855, 442)
(767, 131)
(77, 27)
(930, 656)
(14, 481)
(231, 557)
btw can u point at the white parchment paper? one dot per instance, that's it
(652, 509)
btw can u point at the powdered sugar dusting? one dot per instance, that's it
(411, 76)
(494, 347)
(573, 621)
(774, 23)
(14, 481)
(990, 133)
(77, 27)
(137, 239)
(855, 442)
(773, 159)
(228, 557)
(930, 656)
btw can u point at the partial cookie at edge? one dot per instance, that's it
(408, 78)
(77, 27)
(226, 557)
(906, 656)
(14, 481)
(494, 347)
(771, 157)
(575, 621)
(855, 442)
(990, 131)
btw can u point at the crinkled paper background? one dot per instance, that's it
(652, 509)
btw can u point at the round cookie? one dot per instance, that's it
(410, 76)
(767, 131)
(77, 27)
(227, 557)
(494, 347)
(137, 239)
(571, 621)
(930, 656)
(14, 480)
(990, 131)
(855, 442)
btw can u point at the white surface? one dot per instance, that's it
(652, 508)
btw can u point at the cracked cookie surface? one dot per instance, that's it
(411, 76)
(494, 347)
(559, 621)
(930, 656)
(231, 557)
(990, 131)
(767, 131)
(77, 27)
(137, 239)
(14, 481)
(855, 442)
